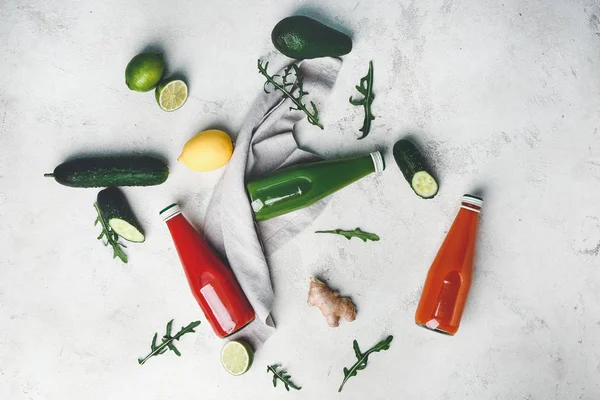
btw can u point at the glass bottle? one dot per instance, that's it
(296, 187)
(449, 278)
(212, 283)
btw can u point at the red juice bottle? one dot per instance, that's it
(449, 278)
(212, 283)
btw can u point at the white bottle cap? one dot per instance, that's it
(472, 203)
(473, 200)
(378, 162)
(169, 212)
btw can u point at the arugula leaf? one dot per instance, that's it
(167, 341)
(313, 117)
(111, 236)
(283, 376)
(366, 101)
(364, 236)
(363, 358)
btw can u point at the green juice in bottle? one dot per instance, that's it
(299, 186)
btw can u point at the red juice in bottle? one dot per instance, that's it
(212, 283)
(449, 278)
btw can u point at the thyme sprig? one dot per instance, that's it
(111, 236)
(364, 236)
(363, 358)
(167, 341)
(286, 88)
(366, 89)
(283, 376)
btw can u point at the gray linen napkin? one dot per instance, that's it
(264, 144)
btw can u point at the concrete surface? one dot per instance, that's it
(503, 96)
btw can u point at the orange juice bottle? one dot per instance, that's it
(449, 278)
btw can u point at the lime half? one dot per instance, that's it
(236, 357)
(171, 94)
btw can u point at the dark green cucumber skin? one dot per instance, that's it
(410, 161)
(113, 204)
(112, 171)
(302, 37)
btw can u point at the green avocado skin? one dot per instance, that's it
(302, 37)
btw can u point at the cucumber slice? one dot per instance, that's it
(116, 211)
(424, 185)
(415, 169)
(126, 230)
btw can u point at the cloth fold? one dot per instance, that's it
(265, 143)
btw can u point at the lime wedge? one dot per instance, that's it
(236, 357)
(171, 94)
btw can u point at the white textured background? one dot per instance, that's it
(502, 95)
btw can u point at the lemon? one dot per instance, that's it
(236, 357)
(144, 71)
(171, 94)
(207, 151)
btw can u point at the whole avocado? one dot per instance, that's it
(302, 37)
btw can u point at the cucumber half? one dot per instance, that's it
(415, 169)
(126, 230)
(118, 214)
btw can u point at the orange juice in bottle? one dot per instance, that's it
(449, 278)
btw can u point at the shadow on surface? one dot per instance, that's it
(416, 139)
(119, 153)
(318, 15)
(221, 125)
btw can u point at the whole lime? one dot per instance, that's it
(144, 71)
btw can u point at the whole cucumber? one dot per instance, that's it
(111, 171)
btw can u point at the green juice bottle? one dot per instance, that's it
(299, 186)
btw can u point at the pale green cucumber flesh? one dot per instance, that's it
(424, 185)
(126, 230)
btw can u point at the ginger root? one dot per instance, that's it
(330, 304)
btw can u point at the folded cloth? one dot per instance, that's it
(266, 142)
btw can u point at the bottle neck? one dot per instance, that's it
(351, 169)
(177, 223)
(366, 164)
(472, 203)
(170, 211)
(378, 162)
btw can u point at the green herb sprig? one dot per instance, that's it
(366, 89)
(364, 236)
(283, 376)
(286, 86)
(111, 236)
(167, 341)
(363, 358)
